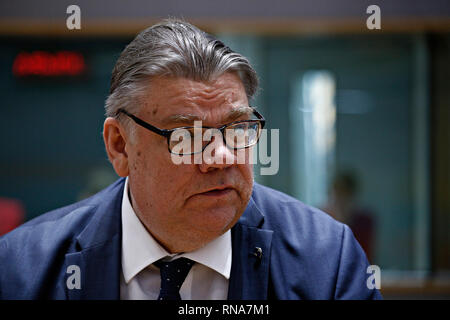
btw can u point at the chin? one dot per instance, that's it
(215, 220)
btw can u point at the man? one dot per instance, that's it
(200, 229)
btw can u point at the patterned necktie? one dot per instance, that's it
(173, 274)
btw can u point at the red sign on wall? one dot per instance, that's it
(49, 64)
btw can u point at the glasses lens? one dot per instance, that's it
(242, 135)
(185, 141)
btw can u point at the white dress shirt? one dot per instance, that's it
(140, 280)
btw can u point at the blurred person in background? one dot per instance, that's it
(170, 231)
(344, 207)
(12, 214)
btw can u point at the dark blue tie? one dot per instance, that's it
(173, 274)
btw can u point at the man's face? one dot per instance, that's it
(185, 206)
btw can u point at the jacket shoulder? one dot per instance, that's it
(313, 256)
(64, 219)
(281, 210)
(33, 251)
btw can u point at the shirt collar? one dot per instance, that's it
(140, 249)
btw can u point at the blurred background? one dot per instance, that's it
(363, 115)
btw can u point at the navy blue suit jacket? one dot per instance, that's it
(305, 254)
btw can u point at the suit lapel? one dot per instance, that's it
(99, 254)
(250, 258)
(99, 272)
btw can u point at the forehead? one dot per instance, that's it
(168, 97)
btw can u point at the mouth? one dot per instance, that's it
(217, 192)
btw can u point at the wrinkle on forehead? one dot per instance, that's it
(230, 116)
(186, 100)
(218, 90)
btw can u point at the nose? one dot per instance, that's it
(217, 156)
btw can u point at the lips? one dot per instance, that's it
(217, 192)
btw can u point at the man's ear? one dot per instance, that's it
(115, 142)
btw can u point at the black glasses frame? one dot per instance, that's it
(168, 132)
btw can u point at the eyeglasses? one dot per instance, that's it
(236, 135)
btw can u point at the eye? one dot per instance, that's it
(186, 134)
(239, 131)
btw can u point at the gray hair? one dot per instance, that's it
(172, 48)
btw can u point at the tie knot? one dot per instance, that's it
(173, 274)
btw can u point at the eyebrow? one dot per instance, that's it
(190, 118)
(182, 119)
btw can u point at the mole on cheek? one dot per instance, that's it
(155, 110)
